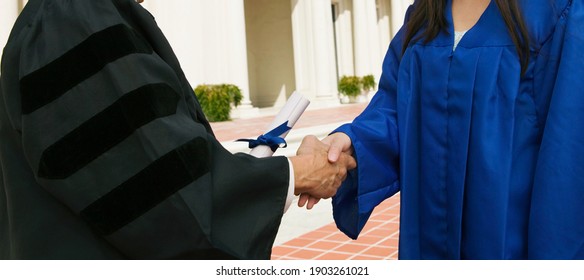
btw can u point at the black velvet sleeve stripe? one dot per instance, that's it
(83, 61)
(148, 188)
(107, 129)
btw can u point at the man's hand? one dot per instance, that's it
(309, 201)
(314, 173)
(338, 143)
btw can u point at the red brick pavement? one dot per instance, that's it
(378, 239)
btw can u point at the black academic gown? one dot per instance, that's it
(105, 153)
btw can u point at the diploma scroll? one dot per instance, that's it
(287, 117)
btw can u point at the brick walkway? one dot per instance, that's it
(242, 128)
(379, 238)
(377, 241)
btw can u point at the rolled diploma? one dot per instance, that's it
(291, 112)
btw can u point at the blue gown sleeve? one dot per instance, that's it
(556, 228)
(374, 136)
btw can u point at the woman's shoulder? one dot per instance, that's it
(542, 16)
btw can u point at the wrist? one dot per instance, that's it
(299, 164)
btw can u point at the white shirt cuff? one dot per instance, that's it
(290, 196)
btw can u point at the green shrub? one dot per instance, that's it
(216, 100)
(368, 82)
(349, 86)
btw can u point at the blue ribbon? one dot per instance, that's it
(271, 139)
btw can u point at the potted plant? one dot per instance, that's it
(350, 86)
(368, 83)
(217, 100)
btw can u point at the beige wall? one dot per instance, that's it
(269, 51)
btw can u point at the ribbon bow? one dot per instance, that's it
(271, 139)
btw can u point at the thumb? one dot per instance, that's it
(339, 143)
(334, 151)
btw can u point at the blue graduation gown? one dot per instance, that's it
(488, 162)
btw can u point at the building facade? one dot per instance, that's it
(270, 48)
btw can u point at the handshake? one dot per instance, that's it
(320, 167)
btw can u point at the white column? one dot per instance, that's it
(324, 49)
(344, 37)
(209, 40)
(236, 48)
(384, 24)
(302, 55)
(314, 53)
(398, 12)
(9, 10)
(180, 21)
(366, 40)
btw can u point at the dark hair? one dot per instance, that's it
(429, 14)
